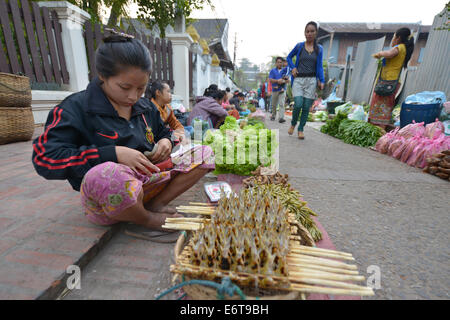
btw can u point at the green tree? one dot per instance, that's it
(163, 13)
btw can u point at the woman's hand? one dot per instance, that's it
(321, 85)
(294, 72)
(163, 152)
(377, 55)
(179, 134)
(135, 160)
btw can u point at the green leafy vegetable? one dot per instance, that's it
(241, 151)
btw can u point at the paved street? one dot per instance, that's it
(384, 212)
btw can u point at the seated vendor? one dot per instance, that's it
(96, 140)
(237, 100)
(159, 93)
(209, 107)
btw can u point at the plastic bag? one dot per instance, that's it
(262, 103)
(395, 145)
(426, 97)
(412, 143)
(447, 127)
(344, 108)
(418, 152)
(357, 114)
(384, 142)
(258, 115)
(400, 150)
(412, 129)
(433, 129)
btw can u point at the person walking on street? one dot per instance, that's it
(277, 78)
(395, 59)
(307, 73)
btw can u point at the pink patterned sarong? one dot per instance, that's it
(109, 188)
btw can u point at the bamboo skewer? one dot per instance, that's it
(325, 275)
(323, 250)
(321, 261)
(197, 207)
(181, 220)
(208, 213)
(203, 204)
(303, 266)
(323, 290)
(185, 226)
(293, 252)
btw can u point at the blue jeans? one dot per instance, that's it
(301, 104)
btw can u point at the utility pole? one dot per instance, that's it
(234, 56)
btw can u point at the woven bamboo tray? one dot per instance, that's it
(310, 269)
(199, 292)
(15, 91)
(16, 124)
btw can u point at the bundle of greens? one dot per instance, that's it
(241, 151)
(321, 116)
(332, 126)
(359, 133)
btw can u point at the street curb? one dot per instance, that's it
(58, 286)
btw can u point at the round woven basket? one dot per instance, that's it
(15, 91)
(16, 124)
(199, 292)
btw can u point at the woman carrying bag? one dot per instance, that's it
(307, 73)
(383, 99)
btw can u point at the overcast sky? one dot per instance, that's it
(273, 27)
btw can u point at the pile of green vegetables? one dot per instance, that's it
(359, 133)
(237, 150)
(331, 127)
(354, 132)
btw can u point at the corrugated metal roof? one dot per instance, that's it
(433, 74)
(368, 27)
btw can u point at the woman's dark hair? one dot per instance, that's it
(211, 88)
(408, 41)
(118, 52)
(214, 92)
(312, 23)
(157, 85)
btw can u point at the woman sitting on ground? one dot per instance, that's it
(96, 139)
(161, 97)
(209, 107)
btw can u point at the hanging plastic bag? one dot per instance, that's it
(382, 145)
(401, 149)
(412, 129)
(395, 145)
(357, 114)
(426, 97)
(434, 128)
(412, 143)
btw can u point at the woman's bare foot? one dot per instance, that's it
(157, 220)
